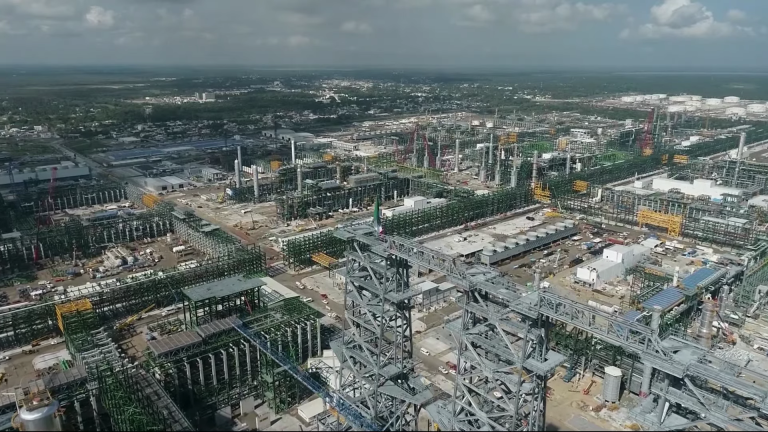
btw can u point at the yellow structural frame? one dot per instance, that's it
(324, 260)
(580, 186)
(680, 159)
(541, 194)
(74, 306)
(673, 223)
(150, 200)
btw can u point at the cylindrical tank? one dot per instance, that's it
(713, 101)
(681, 98)
(704, 332)
(551, 229)
(695, 97)
(736, 111)
(488, 250)
(499, 246)
(612, 384)
(757, 108)
(522, 239)
(676, 108)
(731, 99)
(43, 418)
(627, 98)
(661, 96)
(511, 243)
(691, 108)
(541, 232)
(531, 235)
(694, 103)
(560, 226)
(569, 223)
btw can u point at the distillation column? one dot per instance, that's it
(293, 152)
(237, 173)
(255, 183)
(240, 167)
(739, 156)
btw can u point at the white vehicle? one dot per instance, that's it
(327, 307)
(424, 351)
(307, 300)
(442, 370)
(497, 395)
(452, 371)
(325, 301)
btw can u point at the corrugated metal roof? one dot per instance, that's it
(632, 315)
(666, 299)
(697, 277)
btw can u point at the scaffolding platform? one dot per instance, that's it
(174, 342)
(74, 306)
(673, 223)
(324, 260)
(222, 288)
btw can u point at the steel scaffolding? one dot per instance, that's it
(376, 348)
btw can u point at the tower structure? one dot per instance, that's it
(376, 349)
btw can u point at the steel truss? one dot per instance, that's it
(376, 348)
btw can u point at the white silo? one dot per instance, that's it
(732, 99)
(521, 239)
(488, 250)
(713, 101)
(531, 235)
(736, 111)
(676, 108)
(757, 108)
(541, 232)
(612, 384)
(40, 415)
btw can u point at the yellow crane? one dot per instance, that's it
(133, 318)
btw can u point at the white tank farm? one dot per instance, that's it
(681, 98)
(732, 99)
(628, 99)
(691, 108)
(693, 103)
(551, 229)
(676, 108)
(560, 226)
(713, 101)
(757, 108)
(659, 96)
(736, 111)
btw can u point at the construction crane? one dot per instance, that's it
(133, 318)
(646, 145)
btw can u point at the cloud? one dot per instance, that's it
(7, 29)
(99, 18)
(735, 15)
(356, 27)
(300, 19)
(50, 9)
(536, 16)
(685, 19)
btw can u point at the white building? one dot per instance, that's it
(615, 262)
(414, 203)
(156, 185)
(175, 182)
(698, 187)
(64, 171)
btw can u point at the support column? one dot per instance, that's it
(226, 365)
(662, 399)
(309, 338)
(79, 410)
(213, 369)
(645, 386)
(200, 371)
(319, 345)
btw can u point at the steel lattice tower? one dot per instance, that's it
(376, 349)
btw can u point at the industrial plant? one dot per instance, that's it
(443, 272)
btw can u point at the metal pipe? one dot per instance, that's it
(240, 162)
(299, 180)
(237, 173)
(723, 300)
(456, 157)
(255, 173)
(293, 152)
(534, 175)
(704, 332)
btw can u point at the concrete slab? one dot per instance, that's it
(580, 423)
(434, 346)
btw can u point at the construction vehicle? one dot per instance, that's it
(37, 342)
(132, 318)
(29, 351)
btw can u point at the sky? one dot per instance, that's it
(633, 34)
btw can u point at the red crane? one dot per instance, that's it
(646, 145)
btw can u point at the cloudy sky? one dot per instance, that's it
(726, 34)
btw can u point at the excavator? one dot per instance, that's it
(123, 325)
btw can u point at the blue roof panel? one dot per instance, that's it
(691, 281)
(666, 299)
(632, 315)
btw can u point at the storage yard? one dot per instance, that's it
(456, 274)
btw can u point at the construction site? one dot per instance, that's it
(459, 274)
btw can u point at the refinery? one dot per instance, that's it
(439, 272)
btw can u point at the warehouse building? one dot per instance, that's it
(175, 182)
(64, 171)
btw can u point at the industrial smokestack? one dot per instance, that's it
(240, 164)
(299, 179)
(534, 174)
(237, 173)
(293, 152)
(568, 162)
(255, 183)
(490, 152)
(742, 142)
(456, 157)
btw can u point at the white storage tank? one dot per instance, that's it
(560, 226)
(499, 246)
(627, 99)
(40, 417)
(732, 99)
(661, 96)
(531, 235)
(521, 239)
(551, 229)
(691, 108)
(612, 384)
(569, 223)
(676, 108)
(541, 232)
(757, 108)
(681, 98)
(511, 243)
(693, 103)
(713, 101)
(488, 250)
(736, 111)
(695, 97)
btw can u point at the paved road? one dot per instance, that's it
(97, 168)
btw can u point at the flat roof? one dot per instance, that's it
(173, 180)
(222, 288)
(665, 299)
(174, 342)
(691, 281)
